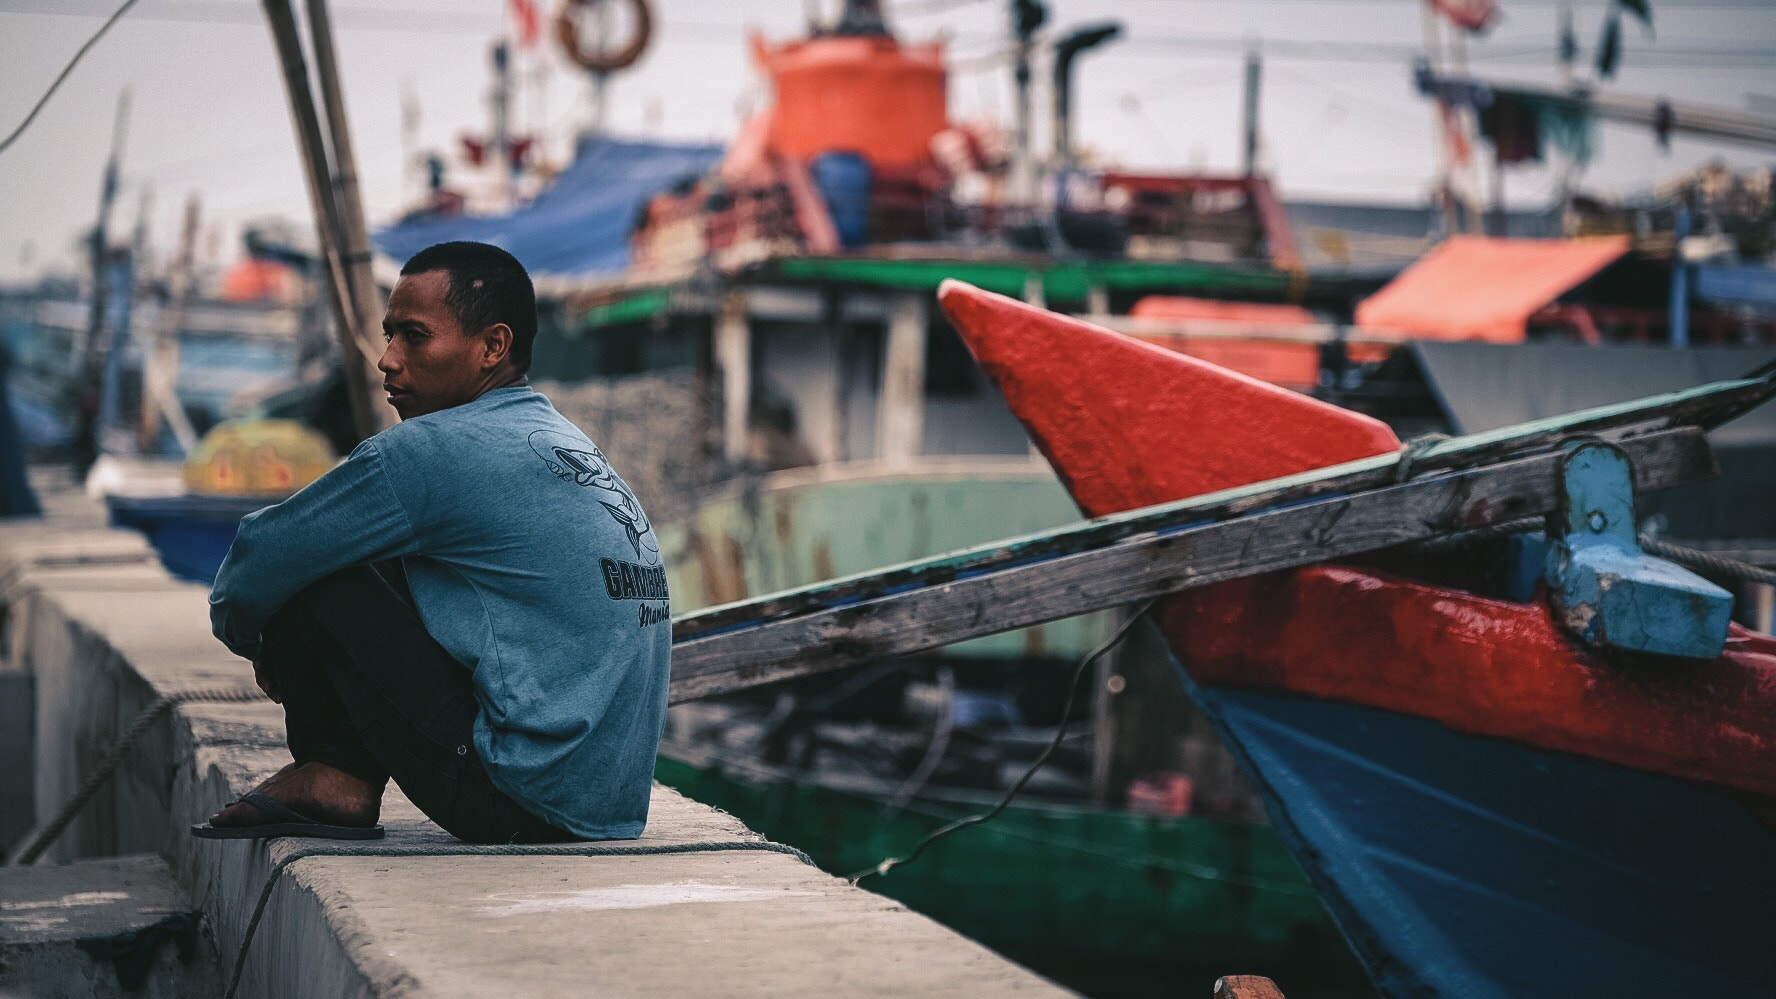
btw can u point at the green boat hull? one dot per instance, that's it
(1109, 902)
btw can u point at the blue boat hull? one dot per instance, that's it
(1461, 865)
(191, 533)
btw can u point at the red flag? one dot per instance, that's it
(524, 14)
(1474, 15)
(1455, 134)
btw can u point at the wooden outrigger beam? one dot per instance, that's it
(1330, 513)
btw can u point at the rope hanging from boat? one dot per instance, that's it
(890, 863)
(96, 777)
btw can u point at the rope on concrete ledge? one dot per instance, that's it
(495, 850)
(97, 776)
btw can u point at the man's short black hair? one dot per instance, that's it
(487, 286)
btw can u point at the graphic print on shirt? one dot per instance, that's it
(581, 462)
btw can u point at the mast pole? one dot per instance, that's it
(354, 235)
(86, 433)
(360, 391)
(1254, 72)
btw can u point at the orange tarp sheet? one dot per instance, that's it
(1484, 288)
(1290, 364)
(1174, 307)
(1279, 344)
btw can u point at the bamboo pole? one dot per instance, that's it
(86, 432)
(160, 355)
(355, 350)
(354, 235)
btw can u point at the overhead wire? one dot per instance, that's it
(371, 18)
(63, 75)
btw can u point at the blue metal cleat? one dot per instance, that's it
(1609, 592)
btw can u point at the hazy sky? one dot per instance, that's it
(1339, 116)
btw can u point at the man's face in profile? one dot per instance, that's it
(431, 362)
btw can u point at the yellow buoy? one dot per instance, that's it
(271, 458)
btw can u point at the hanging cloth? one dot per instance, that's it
(1568, 126)
(1513, 128)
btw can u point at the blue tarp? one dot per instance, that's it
(579, 227)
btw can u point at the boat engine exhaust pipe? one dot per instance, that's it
(1065, 51)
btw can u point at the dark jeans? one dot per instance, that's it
(368, 691)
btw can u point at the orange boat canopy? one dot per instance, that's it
(1484, 288)
(1179, 309)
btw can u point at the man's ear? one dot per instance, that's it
(496, 345)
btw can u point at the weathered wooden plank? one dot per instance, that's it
(1704, 406)
(927, 605)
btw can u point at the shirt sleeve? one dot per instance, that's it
(350, 515)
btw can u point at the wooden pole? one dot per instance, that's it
(733, 354)
(1254, 70)
(1108, 686)
(86, 434)
(160, 364)
(355, 350)
(901, 403)
(354, 234)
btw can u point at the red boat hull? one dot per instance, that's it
(1127, 425)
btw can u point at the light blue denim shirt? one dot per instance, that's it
(531, 563)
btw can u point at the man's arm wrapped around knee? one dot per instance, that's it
(350, 515)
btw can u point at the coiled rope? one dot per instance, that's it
(473, 850)
(98, 775)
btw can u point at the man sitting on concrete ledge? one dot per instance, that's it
(472, 603)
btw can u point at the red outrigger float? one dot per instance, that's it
(1486, 805)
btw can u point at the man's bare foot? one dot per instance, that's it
(268, 783)
(316, 790)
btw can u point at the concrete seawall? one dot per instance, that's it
(101, 632)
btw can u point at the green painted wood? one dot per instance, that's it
(629, 309)
(800, 530)
(1085, 896)
(1069, 281)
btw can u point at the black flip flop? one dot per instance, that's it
(294, 824)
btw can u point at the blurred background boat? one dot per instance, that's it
(750, 329)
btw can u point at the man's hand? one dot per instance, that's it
(262, 677)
